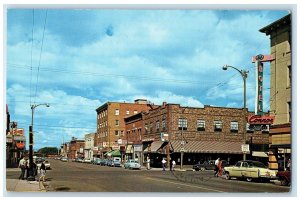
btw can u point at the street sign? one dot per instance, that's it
(182, 150)
(245, 148)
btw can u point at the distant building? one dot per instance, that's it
(89, 145)
(280, 92)
(76, 148)
(111, 127)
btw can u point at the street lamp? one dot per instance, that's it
(244, 74)
(31, 173)
(182, 141)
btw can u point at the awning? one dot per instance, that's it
(260, 154)
(113, 153)
(155, 146)
(129, 149)
(208, 147)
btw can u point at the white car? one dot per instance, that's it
(87, 160)
(249, 170)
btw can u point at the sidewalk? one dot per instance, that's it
(16, 185)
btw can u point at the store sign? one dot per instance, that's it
(261, 120)
(245, 148)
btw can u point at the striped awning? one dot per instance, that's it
(207, 147)
(154, 147)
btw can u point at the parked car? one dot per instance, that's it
(284, 177)
(96, 161)
(47, 165)
(206, 165)
(64, 159)
(87, 160)
(132, 164)
(249, 170)
(117, 162)
(109, 162)
(103, 162)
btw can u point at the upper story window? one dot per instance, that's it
(234, 126)
(157, 126)
(151, 127)
(218, 125)
(127, 112)
(182, 124)
(200, 125)
(250, 128)
(163, 124)
(117, 123)
(146, 128)
(116, 133)
(117, 112)
(135, 112)
(121, 133)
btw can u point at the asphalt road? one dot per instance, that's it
(81, 177)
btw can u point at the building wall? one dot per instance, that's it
(74, 147)
(280, 92)
(172, 112)
(108, 132)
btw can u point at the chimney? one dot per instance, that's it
(164, 104)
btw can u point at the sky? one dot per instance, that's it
(78, 59)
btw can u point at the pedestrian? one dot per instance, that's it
(216, 167)
(42, 175)
(173, 165)
(288, 166)
(163, 164)
(27, 167)
(22, 167)
(220, 169)
(170, 164)
(148, 163)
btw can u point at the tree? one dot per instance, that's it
(48, 150)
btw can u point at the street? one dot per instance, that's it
(82, 177)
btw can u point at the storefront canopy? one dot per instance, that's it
(113, 153)
(207, 147)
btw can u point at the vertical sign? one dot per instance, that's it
(259, 88)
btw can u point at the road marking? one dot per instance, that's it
(209, 189)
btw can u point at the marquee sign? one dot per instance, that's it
(259, 59)
(261, 120)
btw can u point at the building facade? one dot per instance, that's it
(110, 124)
(89, 145)
(76, 148)
(280, 91)
(200, 133)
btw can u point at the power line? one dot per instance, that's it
(41, 51)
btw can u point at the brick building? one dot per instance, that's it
(110, 124)
(280, 91)
(76, 148)
(203, 133)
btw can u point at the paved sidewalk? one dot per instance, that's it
(16, 185)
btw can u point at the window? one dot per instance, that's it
(146, 128)
(127, 112)
(250, 128)
(157, 126)
(290, 111)
(135, 112)
(122, 133)
(234, 126)
(116, 133)
(290, 76)
(182, 124)
(200, 125)
(117, 112)
(150, 127)
(117, 123)
(163, 124)
(218, 125)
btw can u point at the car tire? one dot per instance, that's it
(202, 168)
(227, 176)
(249, 179)
(284, 182)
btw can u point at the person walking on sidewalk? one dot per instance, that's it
(173, 165)
(22, 166)
(42, 175)
(163, 164)
(148, 163)
(216, 167)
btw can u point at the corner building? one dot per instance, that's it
(280, 91)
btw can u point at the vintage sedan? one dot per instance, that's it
(284, 177)
(249, 170)
(132, 164)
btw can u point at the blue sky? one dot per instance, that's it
(84, 58)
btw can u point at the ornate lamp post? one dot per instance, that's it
(244, 74)
(31, 173)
